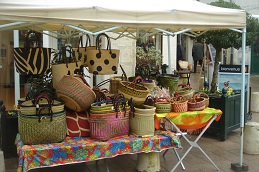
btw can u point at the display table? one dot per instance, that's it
(191, 120)
(84, 149)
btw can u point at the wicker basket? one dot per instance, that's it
(206, 98)
(135, 91)
(180, 104)
(185, 91)
(28, 108)
(46, 131)
(142, 124)
(163, 107)
(108, 125)
(196, 103)
(75, 92)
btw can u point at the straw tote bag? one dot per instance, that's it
(32, 60)
(42, 127)
(67, 66)
(75, 92)
(103, 61)
(82, 49)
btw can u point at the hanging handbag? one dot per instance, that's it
(82, 49)
(32, 60)
(103, 61)
(66, 66)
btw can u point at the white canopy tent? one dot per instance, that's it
(170, 17)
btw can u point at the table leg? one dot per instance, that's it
(148, 162)
(194, 143)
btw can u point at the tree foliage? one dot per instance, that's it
(228, 38)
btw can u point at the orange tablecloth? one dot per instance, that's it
(190, 119)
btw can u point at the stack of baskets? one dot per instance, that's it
(142, 121)
(109, 118)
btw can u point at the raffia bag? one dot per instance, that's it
(75, 92)
(38, 129)
(43, 126)
(28, 107)
(110, 121)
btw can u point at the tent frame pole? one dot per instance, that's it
(242, 166)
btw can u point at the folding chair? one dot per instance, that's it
(191, 143)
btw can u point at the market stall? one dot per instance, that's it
(170, 17)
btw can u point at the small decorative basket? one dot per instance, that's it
(196, 103)
(206, 97)
(180, 104)
(185, 91)
(163, 107)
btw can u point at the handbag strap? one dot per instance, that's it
(28, 41)
(98, 42)
(88, 40)
(40, 116)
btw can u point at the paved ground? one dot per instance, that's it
(223, 153)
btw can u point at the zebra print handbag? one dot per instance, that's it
(32, 60)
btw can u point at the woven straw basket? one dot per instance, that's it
(206, 98)
(180, 104)
(108, 125)
(46, 131)
(135, 91)
(142, 121)
(185, 91)
(28, 108)
(196, 103)
(163, 107)
(75, 92)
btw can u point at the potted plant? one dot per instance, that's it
(229, 104)
(230, 38)
(150, 56)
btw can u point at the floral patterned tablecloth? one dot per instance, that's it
(83, 149)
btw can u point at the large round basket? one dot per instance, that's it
(168, 81)
(75, 92)
(137, 92)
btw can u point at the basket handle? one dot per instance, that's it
(184, 86)
(41, 117)
(117, 101)
(179, 98)
(82, 78)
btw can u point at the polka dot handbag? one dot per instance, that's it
(103, 61)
